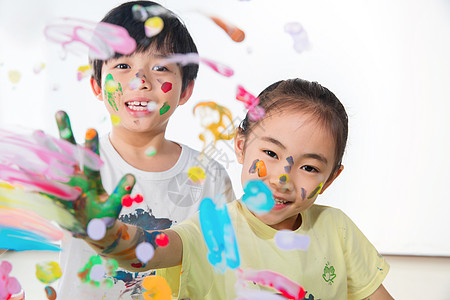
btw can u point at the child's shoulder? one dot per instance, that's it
(325, 215)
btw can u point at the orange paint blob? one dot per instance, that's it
(234, 32)
(261, 168)
(90, 134)
(156, 288)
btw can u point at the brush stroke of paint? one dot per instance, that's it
(284, 285)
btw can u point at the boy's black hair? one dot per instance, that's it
(174, 38)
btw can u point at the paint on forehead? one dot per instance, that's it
(111, 89)
(316, 191)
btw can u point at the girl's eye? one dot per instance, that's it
(122, 66)
(160, 68)
(270, 153)
(309, 169)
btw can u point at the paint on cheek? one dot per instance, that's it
(316, 191)
(166, 86)
(290, 161)
(164, 108)
(253, 167)
(112, 89)
(261, 168)
(303, 194)
(284, 178)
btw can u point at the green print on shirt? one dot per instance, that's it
(328, 273)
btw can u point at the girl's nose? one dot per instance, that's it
(280, 182)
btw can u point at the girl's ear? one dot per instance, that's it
(96, 89)
(332, 178)
(239, 143)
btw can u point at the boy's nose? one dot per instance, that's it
(145, 80)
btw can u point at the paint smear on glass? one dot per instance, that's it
(14, 76)
(84, 72)
(196, 175)
(290, 240)
(153, 26)
(156, 288)
(48, 272)
(285, 286)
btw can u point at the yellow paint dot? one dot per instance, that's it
(14, 76)
(115, 120)
(111, 86)
(196, 174)
(153, 26)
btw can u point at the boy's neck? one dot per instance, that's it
(133, 148)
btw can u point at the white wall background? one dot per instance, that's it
(388, 62)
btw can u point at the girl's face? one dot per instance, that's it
(289, 143)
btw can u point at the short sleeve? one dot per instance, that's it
(366, 268)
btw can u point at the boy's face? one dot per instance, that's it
(140, 91)
(291, 143)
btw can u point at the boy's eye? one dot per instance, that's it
(160, 68)
(309, 169)
(270, 153)
(122, 66)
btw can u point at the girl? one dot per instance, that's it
(296, 149)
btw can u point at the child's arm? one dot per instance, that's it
(120, 240)
(380, 294)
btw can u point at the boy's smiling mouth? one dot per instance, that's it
(137, 105)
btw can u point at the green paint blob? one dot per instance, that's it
(111, 88)
(164, 108)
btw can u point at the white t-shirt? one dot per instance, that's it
(169, 198)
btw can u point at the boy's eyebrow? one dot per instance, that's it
(273, 141)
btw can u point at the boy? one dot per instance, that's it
(170, 196)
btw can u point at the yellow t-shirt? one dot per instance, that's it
(340, 262)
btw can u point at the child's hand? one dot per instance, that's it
(93, 202)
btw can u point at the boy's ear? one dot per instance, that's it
(187, 93)
(96, 89)
(239, 143)
(332, 178)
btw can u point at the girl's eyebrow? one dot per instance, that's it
(319, 157)
(273, 141)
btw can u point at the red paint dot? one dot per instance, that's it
(137, 265)
(127, 201)
(127, 188)
(162, 240)
(138, 198)
(166, 86)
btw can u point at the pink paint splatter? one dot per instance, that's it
(284, 285)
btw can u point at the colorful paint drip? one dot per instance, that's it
(84, 72)
(255, 112)
(96, 229)
(48, 272)
(285, 286)
(258, 197)
(152, 106)
(162, 240)
(150, 151)
(8, 285)
(101, 40)
(127, 200)
(38, 68)
(84, 273)
(14, 76)
(165, 108)
(142, 13)
(50, 293)
(194, 58)
(219, 235)
(217, 121)
(115, 120)
(166, 87)
(316, 191)
(196, 175)
(153, 26)
(289, 240)
(233, 32)
(156, 288)
(144, 252)
(299, 35)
